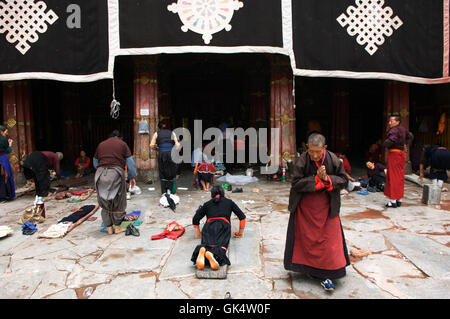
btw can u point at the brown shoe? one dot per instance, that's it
(109, 230)
(212, 261)
(201, 258)
(118, 229)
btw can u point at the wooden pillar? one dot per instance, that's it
(145, 108)
(340, 116)
(282, 110)
(18, 118)
(396, 102)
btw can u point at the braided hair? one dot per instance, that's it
(217, 193)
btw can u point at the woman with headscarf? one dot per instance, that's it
(216, 233)
(7, 188)
(164, 140)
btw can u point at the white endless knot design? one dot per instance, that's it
(205, 17)
(371, 22)
(22, 20)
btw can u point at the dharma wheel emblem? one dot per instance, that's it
(205, 17)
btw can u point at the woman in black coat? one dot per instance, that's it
(216, 233)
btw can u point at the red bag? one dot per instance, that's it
(172, 231)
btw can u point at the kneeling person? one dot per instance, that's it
(216, 232)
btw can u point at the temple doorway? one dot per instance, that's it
(219, 90)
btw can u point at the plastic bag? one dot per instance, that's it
(135, 190)
(237, 179)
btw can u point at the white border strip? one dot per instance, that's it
(55, 76)
(114, 35)
(370, 75)
(286, 16)
(201, 49)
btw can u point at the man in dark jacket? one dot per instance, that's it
(315, 243)
(438, 158)
(110, 159)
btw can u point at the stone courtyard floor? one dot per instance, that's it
(397, 253)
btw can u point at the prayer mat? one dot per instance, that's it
(125, 223)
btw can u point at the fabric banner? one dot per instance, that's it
(77, 41)
(405, 40)
(200, 26)
(54, 39)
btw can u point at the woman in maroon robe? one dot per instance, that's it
(396, 139)
(315, 242)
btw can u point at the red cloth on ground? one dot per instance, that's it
(318, 238)
(395, 175)
(172, 231)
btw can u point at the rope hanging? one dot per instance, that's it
(115, 105)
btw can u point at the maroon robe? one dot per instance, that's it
(315, 242)
(318, 238)
(396, 138)
(395, 175)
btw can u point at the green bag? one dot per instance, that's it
(174, 186)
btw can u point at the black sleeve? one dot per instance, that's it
(409, 138)
(199, 214)
(300, 182)
(388, 143)
(239, 213)
(424, 159)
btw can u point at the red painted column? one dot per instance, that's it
(146, 109)
(282, 112)
(17, 115)
(396, 102)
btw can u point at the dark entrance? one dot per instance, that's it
(341, 109)
(70, 117)
(215, 88)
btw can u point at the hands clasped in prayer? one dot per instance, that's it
(322, 173)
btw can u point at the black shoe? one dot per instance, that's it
(399, 203)
(391, 205)
(371, 189)
(131, 230)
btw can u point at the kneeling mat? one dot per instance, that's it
(208, 273)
